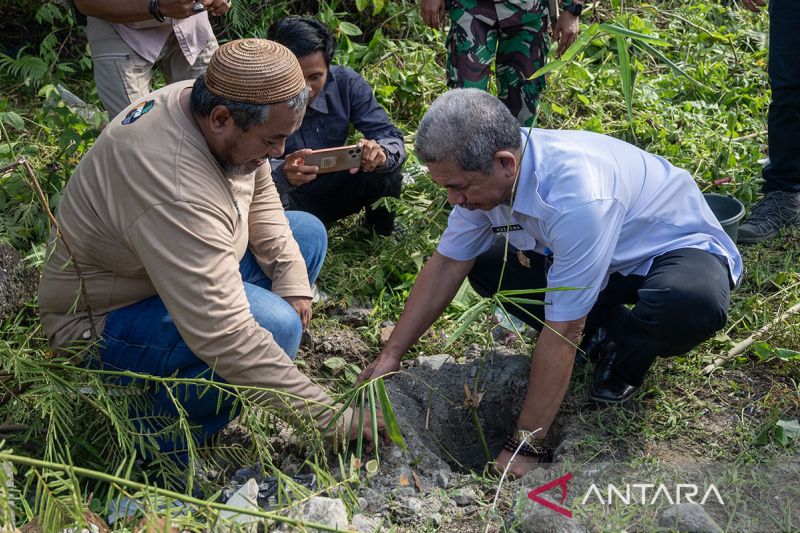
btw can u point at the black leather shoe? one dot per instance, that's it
(606, 386)
(593, 346)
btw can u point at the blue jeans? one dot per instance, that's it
(142, 338)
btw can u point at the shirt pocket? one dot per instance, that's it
(335, 132)
(522, 240)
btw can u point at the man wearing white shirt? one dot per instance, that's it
(579, 210)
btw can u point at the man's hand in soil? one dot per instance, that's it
(372, 156)
(366, 420)
(754, 5)
(382, 365)
(520, 466)
(296, 170)
(302, 305)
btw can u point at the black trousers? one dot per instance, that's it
(332, 197)
(682, 301)
(783, 171)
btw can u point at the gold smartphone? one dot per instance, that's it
(335, 159)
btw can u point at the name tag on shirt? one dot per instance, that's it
(506, 229)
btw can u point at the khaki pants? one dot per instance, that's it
(123, 76)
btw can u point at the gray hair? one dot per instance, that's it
(244, 114)
(468, 125)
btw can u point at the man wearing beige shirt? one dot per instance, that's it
(128, 38)
(191, 267)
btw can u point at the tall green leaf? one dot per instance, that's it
(625, 74)
(470, 316)
(392, 428)
(615, 29)
(646, 47)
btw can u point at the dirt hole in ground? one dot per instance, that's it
(431, 407)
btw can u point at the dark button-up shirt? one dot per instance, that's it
(346, 99)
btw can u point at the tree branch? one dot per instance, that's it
(745, 344)
(34, 183)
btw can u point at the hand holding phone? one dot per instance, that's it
(372, 156)
(335, 159)
(296, 170)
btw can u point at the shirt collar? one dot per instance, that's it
(528, 199)
(526, 194)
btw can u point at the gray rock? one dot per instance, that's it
(688, 517)
(327, 511)
(355, 316)
(86, 111)
(433, 362)
(404, 492)
(534, 517)
(245, 498)
(385, 334)
(436, 519)
(365, 524)
(442, 479)
(464, 496)
(411, 506)
(374, 501)
(18, 282)
(395, 454)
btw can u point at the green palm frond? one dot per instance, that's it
(25, 68)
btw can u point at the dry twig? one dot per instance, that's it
(34, 183)
(10, 393)
(742, 346)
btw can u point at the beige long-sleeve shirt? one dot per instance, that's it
(149, 212)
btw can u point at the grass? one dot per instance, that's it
(704, 109)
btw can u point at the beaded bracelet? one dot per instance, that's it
(529, 448)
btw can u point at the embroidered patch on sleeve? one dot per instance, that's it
(136, 113)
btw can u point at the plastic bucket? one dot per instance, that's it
(728, 210)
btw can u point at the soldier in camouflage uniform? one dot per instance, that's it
(513, 33)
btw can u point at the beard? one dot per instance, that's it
(230, 168)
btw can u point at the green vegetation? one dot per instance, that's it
(695, 91)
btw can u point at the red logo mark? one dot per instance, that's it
(562, 482)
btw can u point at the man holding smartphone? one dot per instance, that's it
(338, 97)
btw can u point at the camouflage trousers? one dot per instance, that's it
(513, 33)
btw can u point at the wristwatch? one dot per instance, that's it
(575, 9)
(155, 11)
